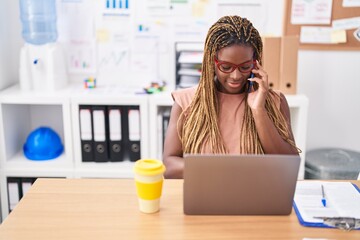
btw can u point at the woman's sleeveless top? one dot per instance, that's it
(232, 107)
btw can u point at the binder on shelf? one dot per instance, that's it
(26, 183)
(191, 57)
(342, 207)
(288, 64)
(14, 192)
(165, 124)
(115, 134)
(271, 60)
(134, 132)
(86, 133)
(100, 129)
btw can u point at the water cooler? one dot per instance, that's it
(42, 61)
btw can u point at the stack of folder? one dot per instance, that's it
(17, 187)
(109, 133)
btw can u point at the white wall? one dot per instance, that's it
(10, 42)
(331, 81)
(329, 78)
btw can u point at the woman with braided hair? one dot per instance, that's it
(231, 110)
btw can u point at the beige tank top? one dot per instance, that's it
(231, 115)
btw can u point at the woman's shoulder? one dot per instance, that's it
(185, 91)
(184, 96)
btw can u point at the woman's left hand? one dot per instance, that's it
(256, 99)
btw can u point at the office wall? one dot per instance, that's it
(10, 42)
(138, 42)
(329, 78)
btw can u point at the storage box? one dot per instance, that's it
(332, 163)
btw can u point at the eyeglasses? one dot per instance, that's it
(227, 67)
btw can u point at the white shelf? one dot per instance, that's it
(299, 105)
(189, 46)
(20, 163)
(14, 95)
(191, 57)
(21, 112)
(189, 72)
(156, 102)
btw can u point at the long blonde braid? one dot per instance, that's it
(200, 122)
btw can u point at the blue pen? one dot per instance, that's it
(250, 82)
(323, 199)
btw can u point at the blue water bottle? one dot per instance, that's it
(38, 18)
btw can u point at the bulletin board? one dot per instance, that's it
(338, 12)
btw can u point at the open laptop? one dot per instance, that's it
(240, 184)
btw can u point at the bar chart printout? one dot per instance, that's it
(117, 4)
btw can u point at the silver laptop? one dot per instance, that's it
(239, 184)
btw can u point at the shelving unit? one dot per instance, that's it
(107, 96)
(157, 105)
(299, 105)
(20, 113)
(188, 59)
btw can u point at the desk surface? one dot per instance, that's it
(88, 209)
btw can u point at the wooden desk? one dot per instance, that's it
(85, 209)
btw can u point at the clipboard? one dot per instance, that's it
(318, 224)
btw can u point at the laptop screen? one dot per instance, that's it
(240, 184)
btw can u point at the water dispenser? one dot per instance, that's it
(42, 61)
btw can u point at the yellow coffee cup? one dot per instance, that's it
(149, 177)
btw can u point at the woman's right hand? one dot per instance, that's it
(256, 99)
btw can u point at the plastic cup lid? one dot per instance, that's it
(149, 167)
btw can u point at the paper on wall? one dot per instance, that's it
(255, 11)
(75, 21)
(322, 35)
(346, 23)
(338, 36)
(351, 3)
(311, 12)
(81, 57)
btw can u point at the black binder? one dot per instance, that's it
(14, 192)
(86, 133)
(100, 129)
(132, 132)
(17, 188)
(115, 134)
(26, 183)
(165, 124)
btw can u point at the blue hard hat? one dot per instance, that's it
(43, 144)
